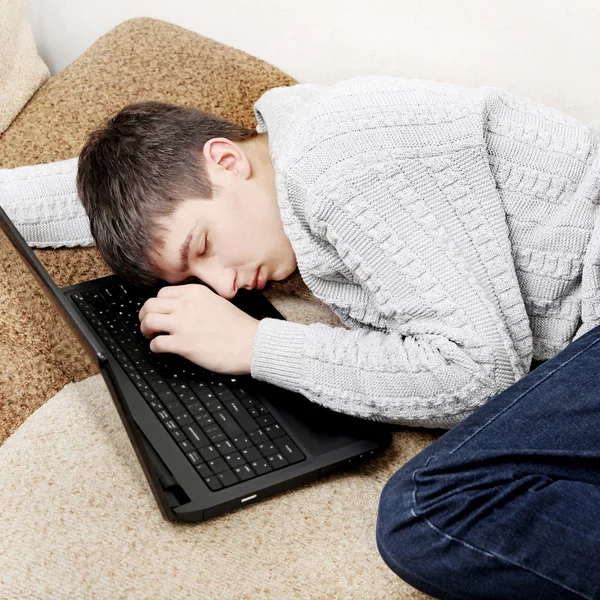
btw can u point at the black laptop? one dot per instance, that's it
(208, 443)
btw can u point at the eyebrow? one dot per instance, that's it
(185, 250)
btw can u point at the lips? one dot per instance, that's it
(259, 283)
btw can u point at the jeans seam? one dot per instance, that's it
(506, 408)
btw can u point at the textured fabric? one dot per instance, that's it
(22, 71)
(449, 228)
(43, 204)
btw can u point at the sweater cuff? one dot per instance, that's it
(278, 351)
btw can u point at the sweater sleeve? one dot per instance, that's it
(43, 204)
(417, 380)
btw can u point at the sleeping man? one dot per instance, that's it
(453, 231)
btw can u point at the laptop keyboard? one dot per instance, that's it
(219, 421)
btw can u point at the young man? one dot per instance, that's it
(454, 232)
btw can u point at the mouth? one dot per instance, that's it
(259, 282)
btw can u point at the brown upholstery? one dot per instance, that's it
(141, 59)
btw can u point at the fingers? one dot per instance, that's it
(175, 291)
(156, 305)
(156, 322)
(162, 303)
(163, 343)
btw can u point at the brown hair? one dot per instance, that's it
(139, 167)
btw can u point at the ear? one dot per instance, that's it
(229, 156)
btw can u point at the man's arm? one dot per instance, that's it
(417, 380)
(42, 202)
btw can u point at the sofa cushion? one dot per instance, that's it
(22, 71)
(79, 518)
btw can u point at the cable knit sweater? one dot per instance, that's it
(452, 229)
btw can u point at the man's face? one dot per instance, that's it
(234, 236)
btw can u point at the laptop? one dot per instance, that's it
(208, 443)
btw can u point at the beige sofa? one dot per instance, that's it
(78, 517)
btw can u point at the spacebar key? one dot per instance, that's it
(242, 416)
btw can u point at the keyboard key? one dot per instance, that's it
(241, 415)
(250, 454)
(186, 446)
(225, 420)
(277, 461)
(194, 457)
(274, 431)
(187, 397)
(214, 433)
(239, 391)
(155, 405)
(149, 395)
(258, 437)
(213, 405)
(166, 396)
(217, 465)
(175, 407)
(227, 478)
(196, 409)
(141, 385)
(183, 418)
(204, 470)
(225, 447)
(241, 442)
(178, 435)
(199, 388)
(234, 459)
(249, 401)
(163, 415)
(209, 453)
(244, 472)
(261, 466)
(213, 482)
(267, 448)
(292, 453)
(195, 435)
(159, 385)
(265, 420)
(204, 420)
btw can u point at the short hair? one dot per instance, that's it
(138, 168)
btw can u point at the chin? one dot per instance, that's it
(286, 273)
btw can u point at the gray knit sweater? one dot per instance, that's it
(451, 228)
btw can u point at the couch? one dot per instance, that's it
(78, 517)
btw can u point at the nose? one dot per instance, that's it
(221, 280)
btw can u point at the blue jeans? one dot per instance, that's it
(507, 503)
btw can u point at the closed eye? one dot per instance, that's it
(193, 278)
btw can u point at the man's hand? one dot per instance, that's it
(203, 327)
